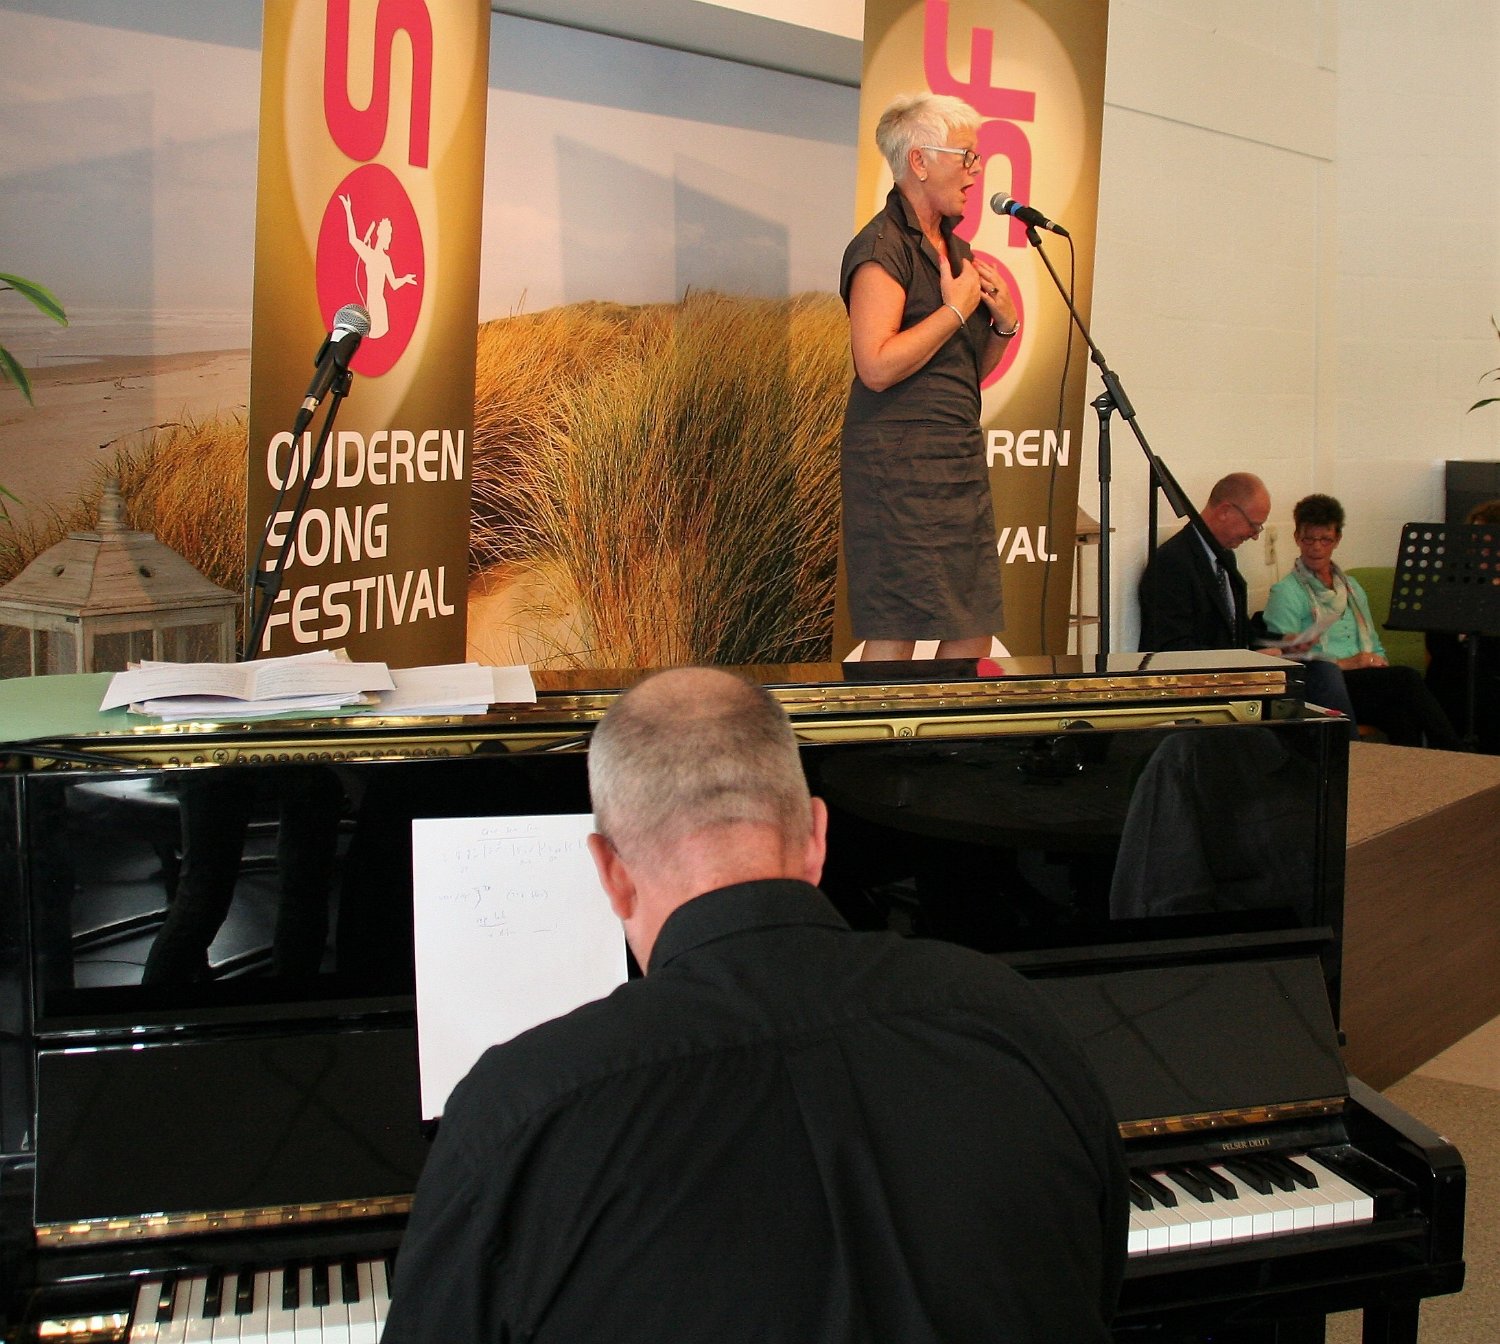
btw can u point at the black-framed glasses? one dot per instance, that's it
(972, 159)
(1255, 528)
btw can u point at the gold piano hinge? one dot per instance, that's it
(100, 1329)
(154, 1226)
(1249, 1115)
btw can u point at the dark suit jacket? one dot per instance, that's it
(1182, 599)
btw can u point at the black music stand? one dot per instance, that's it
(1448, 579)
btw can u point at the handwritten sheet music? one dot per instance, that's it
(512, 928)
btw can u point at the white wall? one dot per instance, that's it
(1419, 258)
(1265, 301)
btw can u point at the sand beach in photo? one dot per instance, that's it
(85, 412)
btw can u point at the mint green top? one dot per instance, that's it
(1289, 610)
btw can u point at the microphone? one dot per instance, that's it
(351, 324)
(1002, 204)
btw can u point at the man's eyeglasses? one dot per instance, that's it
(971, 159)
(1255, 528)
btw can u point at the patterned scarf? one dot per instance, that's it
(1330, 604)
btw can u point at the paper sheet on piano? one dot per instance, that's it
(511, 929)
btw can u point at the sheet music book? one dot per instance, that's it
(511, 929)
(316, 678)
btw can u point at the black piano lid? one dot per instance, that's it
(1211, 1038)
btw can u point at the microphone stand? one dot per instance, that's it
(263, 586)
(1109, 401)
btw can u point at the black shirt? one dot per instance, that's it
(945, 390)
(787, 1131)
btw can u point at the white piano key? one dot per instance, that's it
(380, 1293)
(362, 1326)
(1237, 1216)
(254, 1327)
(1304, 1204)
(174, 1331)
(335, 1316)
(1142, 1221)
(143, 1319)
(200, 1329)
(226, 1325)
(1351, 1204)
(307, 1320)
(1208, 1220)
(1179, 1224)
(280, 1328)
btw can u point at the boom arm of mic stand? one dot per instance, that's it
(1114, 398)
(264, 585)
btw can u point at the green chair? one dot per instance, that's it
(1408, 647)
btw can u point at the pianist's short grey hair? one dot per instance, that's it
(914, 119)
(690, 749)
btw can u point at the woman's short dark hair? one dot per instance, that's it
(1318, 511)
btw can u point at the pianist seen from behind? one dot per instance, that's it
(787, 1130)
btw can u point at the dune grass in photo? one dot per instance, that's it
(185, 483)
(683, 483)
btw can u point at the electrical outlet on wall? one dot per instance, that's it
(1268, 540)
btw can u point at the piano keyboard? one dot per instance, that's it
(1192, 1204)
(315, 1302)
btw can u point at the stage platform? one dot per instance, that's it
(1421, 905)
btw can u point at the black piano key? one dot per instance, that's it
(320, 1296)
(1139, 1197)
(1250, 1174)
(1162, 1194)
(349, 1281)
(1221, 1184)
(1304, 1176)
(291, 1292)
(213, 1295)
(1275, 1171)
(244, 1293)
(166, 1298)
(1189, 1180)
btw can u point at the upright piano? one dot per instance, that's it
(210, 1125)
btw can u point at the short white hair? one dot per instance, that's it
(916, 119)
(691, 749)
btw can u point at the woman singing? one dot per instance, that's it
(927, 323)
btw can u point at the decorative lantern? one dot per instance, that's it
(98, 601)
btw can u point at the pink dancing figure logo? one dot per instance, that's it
(380, 265)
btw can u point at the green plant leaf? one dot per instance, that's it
(40, 295)
(17, 375)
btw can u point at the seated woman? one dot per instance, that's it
(1319, 601)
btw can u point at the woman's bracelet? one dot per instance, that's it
(952, 308)
(1005, 335)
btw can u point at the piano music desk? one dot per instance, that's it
(1421, 905)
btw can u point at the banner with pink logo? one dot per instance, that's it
(368, 210)
(1034, 71)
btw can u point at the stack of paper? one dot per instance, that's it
(314, 683)
(454, 688)
(304, 682)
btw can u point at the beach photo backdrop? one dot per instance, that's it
(661, 362)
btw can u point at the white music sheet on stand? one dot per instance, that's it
(511, 929)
